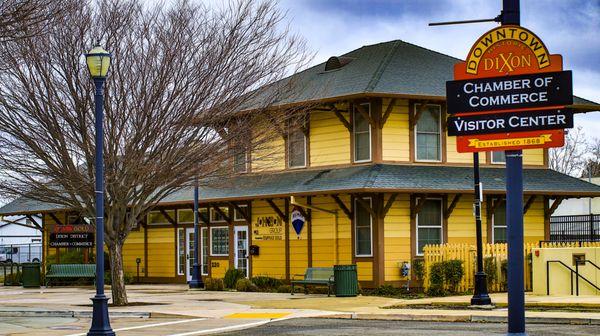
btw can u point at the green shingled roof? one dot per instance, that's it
(368, 178)
(388, 68)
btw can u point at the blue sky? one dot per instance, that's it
(568, 27)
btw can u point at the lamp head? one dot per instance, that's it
(98, 61)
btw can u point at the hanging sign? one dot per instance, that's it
(72, 236)
(509, 94)
(298, 220)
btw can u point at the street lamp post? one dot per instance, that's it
(196, 281)
(98, 62)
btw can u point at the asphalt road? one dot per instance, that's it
(346, 327)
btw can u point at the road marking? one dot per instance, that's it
(150, 325)
(230, 328)
(257, 315)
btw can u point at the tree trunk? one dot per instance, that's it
(119, 295)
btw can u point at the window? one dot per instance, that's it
(429, 224)
(498, 157)
(215, 216)
(158, 218)
(363, 230)
(237, 216)
(219, 241)
(185, 216)
(362, 135)
(428, 134)
(240, 161)
(296, 149)
(204, 234)
(181, 251)
(499, 223)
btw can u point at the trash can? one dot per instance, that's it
(346, 280)
(31, 274)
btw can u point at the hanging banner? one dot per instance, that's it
(509, 94)
(298, 220)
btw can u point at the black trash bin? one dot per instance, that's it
(31, 276)
(346, 280)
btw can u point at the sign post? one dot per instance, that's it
(510, 94)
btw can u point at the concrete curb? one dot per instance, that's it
(68, 313)
(464, 318)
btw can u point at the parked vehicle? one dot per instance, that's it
(21, 253)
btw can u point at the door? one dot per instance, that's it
(189, 252)
(241, 249)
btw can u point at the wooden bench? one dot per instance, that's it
(316, 276)
(66, 271)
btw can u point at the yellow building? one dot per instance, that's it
(372, 171)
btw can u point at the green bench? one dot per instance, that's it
(316, 276)
(68, 271)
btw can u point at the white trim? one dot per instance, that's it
(495, 162)
(179, 230)
(415, 135)
(212, 210)
(235, 213)
(210, 249)
(179, 220)
(203, 232)
(236, 229)
(305, 150)
(356, 227)
(441, 226)
(354, 110)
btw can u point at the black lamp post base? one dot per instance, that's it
(196, 281)
(481, 297)
(100, 320)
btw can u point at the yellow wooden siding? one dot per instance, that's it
(533, 222)
(329, 139)
(461, 223)
(269, 152)
(298, 248)
(397, 237)
(323, 225)
(533, 157)
(452, 156)
(161, 252)
(395, 133)
(218, 268)
(364, 269)
(271, 260)
(133, 249)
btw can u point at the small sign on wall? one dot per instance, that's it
(267, 228)
(298, 220)
(74, 236)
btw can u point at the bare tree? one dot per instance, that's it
(570, 158)
(26, 18)
(180, 75)
(592, 163)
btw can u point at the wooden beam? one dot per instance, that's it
(452, 205)
(277, 210)
(387, 112)
(365, 205)
(554, 206)
(204, 220)
(342, 206)
(58, 221)
(238, 209)
(30, 217)
(168, 217)
(528, 204)
(414, 211)
(388, 204)
(302, 212)
(365, 114)
(223, 214)
(339, 115)
(419, 112)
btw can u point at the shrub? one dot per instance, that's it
(245, 285)
(504, 272)
(288, 289)
(266, 284)
(387, 290)
(232, 276)
(418, 268)
(489, 267)
(67, 256)
(445, 277)
(128, 277)
(213, 284)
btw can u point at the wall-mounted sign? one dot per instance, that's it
(72, 236)
(298, 220)
(509, 94)
(267, 228)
